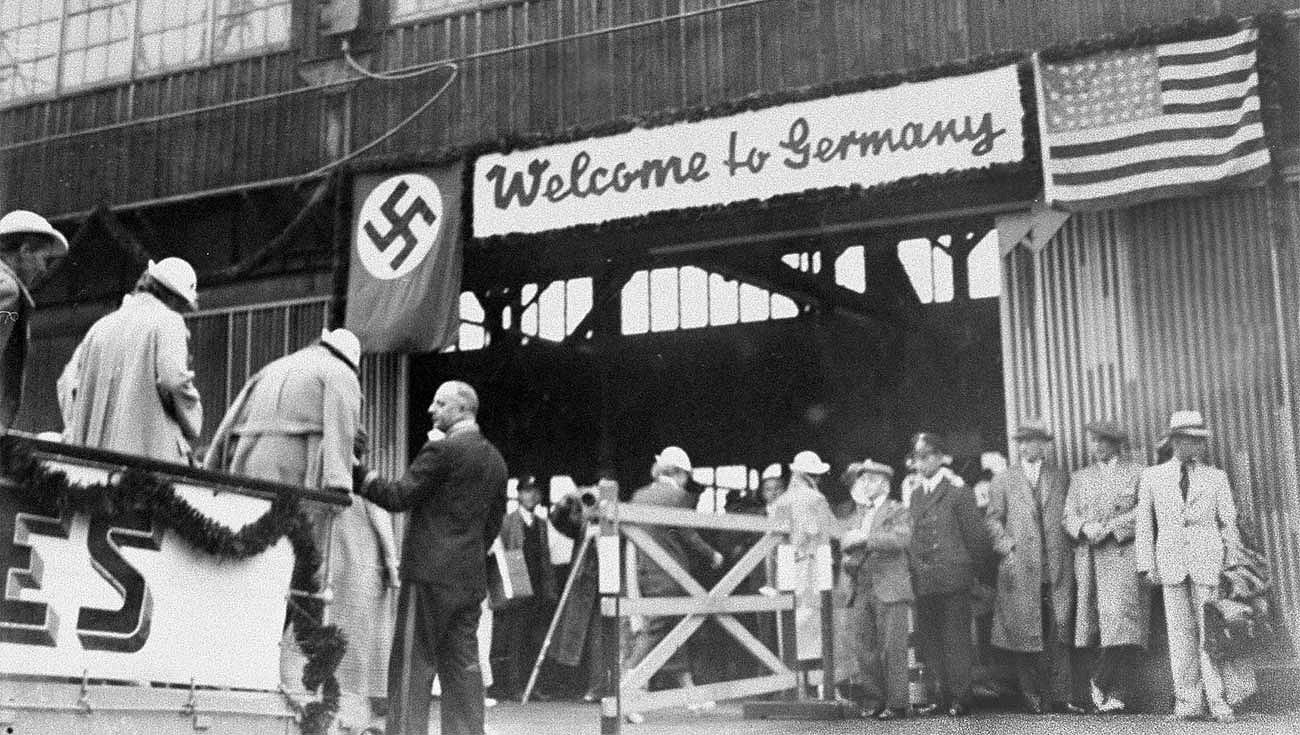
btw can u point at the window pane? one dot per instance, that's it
(28, 45)
(695, 297)
(724, 300)
(551, 312)
(754, 303)
(663, 299)
(985, 265)
(470, 308)
(578, 299)
(249, 25)
(851, 269)
(942, 276)
(915, 257)
(635, 304)
(783, 307)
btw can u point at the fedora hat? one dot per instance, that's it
(1109, 430)
(772, 472)
(1187, 423)
(809, 463)
(1033, 429)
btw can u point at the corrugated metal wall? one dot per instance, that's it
(1137, 313)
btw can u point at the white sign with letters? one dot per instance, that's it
(863, 139)
(138, 605)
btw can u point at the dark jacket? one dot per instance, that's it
(948, 538)
(456, 492)
(15, 309)
(680, 543)
(576, 620)
(513, 533)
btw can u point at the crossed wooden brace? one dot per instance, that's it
(712, 601)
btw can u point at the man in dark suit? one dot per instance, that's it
(456, 492)
(948, 536)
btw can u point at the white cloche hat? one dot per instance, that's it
(345, 343)
(21, 220)
(809, 463)
(674, 457)
(177, 276)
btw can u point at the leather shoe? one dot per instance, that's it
(958, 710)
(1067, 708)
(890, 713)
(922, 710)
(1032, 704)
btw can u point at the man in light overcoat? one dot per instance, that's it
(1186, 525)
(1111, 607)
(129, 386)
(1035, 592)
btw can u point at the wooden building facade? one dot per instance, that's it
(226, 156)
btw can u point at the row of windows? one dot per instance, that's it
(48, 46)
(669, 299)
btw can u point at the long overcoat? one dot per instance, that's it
(581, 614)
(294, 421)
(1111, 607)
(128, 386)
(1019, 538)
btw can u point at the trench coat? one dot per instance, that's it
(294, 421)
(1013, 524)
(1111, 607)
(15, 309)
(128, 386)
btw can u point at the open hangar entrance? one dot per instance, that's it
(742, 351)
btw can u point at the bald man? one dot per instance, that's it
(455, 491)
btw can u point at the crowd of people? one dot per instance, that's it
(1076, 555)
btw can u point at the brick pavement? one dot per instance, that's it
(543, 718)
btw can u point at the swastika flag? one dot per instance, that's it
(404, 273)
(1153, 122)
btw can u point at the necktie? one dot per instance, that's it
(1185, 482)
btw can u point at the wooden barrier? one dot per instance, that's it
(623, 530)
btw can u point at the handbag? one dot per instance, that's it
(508, 581)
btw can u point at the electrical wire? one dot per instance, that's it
(386, 77)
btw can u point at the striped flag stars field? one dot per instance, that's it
(1178, 119)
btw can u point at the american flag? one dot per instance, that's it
(1129, 126)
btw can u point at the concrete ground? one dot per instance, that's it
(541, 718)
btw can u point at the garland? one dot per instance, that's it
(143, 494)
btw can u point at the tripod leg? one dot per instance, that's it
(555, 619)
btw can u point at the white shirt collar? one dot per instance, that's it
(932, 482)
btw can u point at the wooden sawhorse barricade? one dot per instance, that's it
(620, 522)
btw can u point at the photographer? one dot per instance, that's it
(577, 636)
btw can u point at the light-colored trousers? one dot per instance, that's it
(1197, 681)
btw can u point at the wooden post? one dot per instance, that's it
(828, 647)
(610, 567)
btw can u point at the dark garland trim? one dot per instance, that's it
(136, 493)
(1192, 29)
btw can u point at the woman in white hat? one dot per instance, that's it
(812, 525)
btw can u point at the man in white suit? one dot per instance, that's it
(1186, 523)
